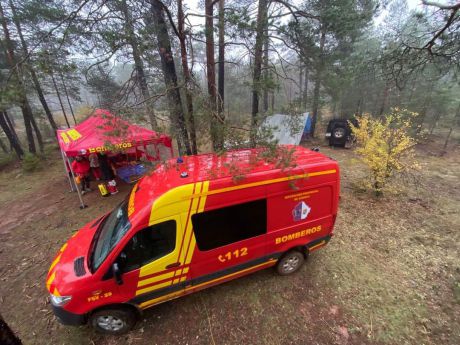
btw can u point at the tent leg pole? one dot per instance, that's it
(67, 173)
(82, 204)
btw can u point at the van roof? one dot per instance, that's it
(236, 164)
(238, 167)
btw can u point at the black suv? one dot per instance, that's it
(339, 132)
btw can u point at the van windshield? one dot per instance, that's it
(110, 232)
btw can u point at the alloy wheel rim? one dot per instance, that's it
(110, 323)
(291, 263)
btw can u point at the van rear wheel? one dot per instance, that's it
(113, 320)
(290, 262)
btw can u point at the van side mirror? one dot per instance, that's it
(117, 273)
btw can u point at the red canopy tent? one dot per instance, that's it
(104, 132)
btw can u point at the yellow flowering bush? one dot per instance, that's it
(385, 145)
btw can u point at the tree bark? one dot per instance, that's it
(12, 138)
(211, 74)
(11, 124)
(67, 96)
(35, 127)
(23, 103)
(305, 89)
(300, 84)
(138, 64)
(318, 80)
(170, 76)
(187, 76)
(258, 52)
(33, 75)
(221, 58)
(266, 73)
(58, 94)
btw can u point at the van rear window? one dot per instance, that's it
(217, 228)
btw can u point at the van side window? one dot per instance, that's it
(230, 224)
(147, 245)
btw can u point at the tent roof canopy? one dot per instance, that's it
(103, 131)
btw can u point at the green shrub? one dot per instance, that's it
(31, 162)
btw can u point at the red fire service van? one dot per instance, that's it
(191, 224)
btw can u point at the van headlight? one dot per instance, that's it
(59, 301)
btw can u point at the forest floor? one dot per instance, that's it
(391, 274)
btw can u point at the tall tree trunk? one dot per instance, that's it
(33, 75)
(22, 94)
(258, 52)
(138, 64)
(67, 96)
(170, 76)
(58, 94)
(318, 80)
(10, 123)
(211, 74)
(35, 127)
(266, 72)
(300, 84)
(221, 58)
(187, 75)
(305, 89)
(12, 138)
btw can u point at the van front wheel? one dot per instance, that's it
(290, 263)
(113, 321)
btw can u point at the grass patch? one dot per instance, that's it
(6, 159)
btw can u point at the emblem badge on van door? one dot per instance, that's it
(301, 211)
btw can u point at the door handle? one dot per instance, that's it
(176, 264)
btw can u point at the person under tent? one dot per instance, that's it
(81, 168)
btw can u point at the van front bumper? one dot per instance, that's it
(67, 318)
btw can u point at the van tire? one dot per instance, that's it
(115, 320)
(290, 262)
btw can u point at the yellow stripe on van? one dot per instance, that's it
(230, 275)
(265, 182)
(64, 246)
(175, 294)
(161, 299)
(188, 227)
(317, 245)
(54, 263)
(155, 279)
(199, 209)
(50, 280)
(155, 287)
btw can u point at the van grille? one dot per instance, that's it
(79, 266)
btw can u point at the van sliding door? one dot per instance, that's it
(230, 241)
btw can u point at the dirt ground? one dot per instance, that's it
(391, 275)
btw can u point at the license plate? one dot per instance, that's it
(328, 135)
